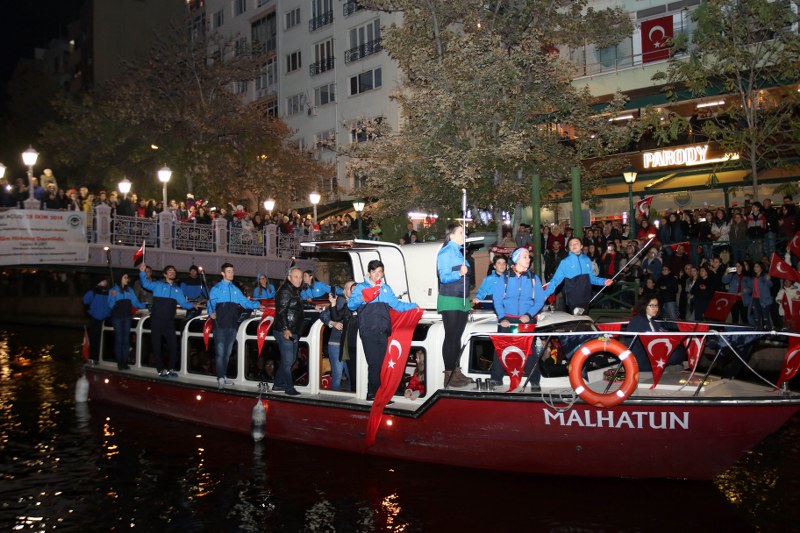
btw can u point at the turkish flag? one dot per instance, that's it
(394, 366)
(659, 348)
(720, 306)
(791, 313)
(85, 346)
(781, 269)
(694, 345)
(791, 362)
(643, 207)
(207, 330)
(794, 244)
(684, 245)
(263, 327)
(370, 293)
(611, 326)
(138, 257)
(513, 350)
(655, 36)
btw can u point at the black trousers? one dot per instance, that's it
(95, 332)
(454, 323)
(164, 329)
(375, 352)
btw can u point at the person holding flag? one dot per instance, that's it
(122, 299)
(373, 298)
(166, 298)
(576, 271)
(223, 308)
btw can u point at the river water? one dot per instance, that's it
(94, 467)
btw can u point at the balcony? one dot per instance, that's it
(320, 21)
(364, 50)
(351, 7)
(321, 66)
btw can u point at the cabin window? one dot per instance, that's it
(414, 382)
(481, 353)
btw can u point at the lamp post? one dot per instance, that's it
(269, 205)
(358, 205)
(124, 187)
(164, 174)
(29, 158)
(630, 176)
(2, 171)
(315, 198)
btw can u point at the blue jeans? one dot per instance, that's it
(223, 344)
(337, 366)
(122, 338)
(288, 349)
(670, 310)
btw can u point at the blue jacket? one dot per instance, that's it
(732, 281)
(521, 295)
(571, 268)
(386, 296)
(193, 288)
(260, 293)
(764, 285)
(128, 294)
(162, 289)
(448, 267)
(318, 290)
(225, 299)
(97, 302)
(486, 290)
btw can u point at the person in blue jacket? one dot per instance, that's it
(96, 303)
(314, 289)
(167, 296)
(374, 322)
(121, 300)
(453, 302)
(486, 290)
(264, 290)
(575, 271)
(192, 286)
(518, 297)
(223, 307)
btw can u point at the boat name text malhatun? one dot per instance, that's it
(611, 419)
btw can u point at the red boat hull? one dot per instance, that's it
(657, 438)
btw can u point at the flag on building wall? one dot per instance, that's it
(656, 34)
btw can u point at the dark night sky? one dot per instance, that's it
(26, 24)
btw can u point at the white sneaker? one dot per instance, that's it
(221, 383)
(228, 382)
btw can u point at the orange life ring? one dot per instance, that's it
(591, 348)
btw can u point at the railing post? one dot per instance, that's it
(103, 223)
(165, 226)
(221, 234)
(271, 236)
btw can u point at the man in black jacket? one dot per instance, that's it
(288, 326)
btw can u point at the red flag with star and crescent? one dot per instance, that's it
(138, 256)
(720, 306)
(685, 245)
(85, 346)
(791, 362)
(512, 352)
(781, 269)
(656, 34)
(794, 244)
(207, 327)
(263, 327)
(791, 312)
(659, 348)
(694, 345)
(394, 366)
(643, 207)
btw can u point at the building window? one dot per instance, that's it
(293, 61)
(264, 33)
(326, 139)
(366, 81)
(364, 41)
(325, 94)
(218, 18)
(292, 18)
(350, 7)
(262, 3)
(267, 81)
(240, 87)
(239, 7)
(293, 104)
(321, 14)
(272, 108)
(365, 131)
(240, 46)
(323, 57)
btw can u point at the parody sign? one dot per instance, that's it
(42, 237)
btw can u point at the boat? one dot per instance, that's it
(689, 426)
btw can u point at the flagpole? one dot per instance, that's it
(464, 222)
(205, 282)
(621, 270)
(108, 262)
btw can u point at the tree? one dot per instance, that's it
(486, 102)
(748, 48)
(178, 107)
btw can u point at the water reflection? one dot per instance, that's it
(80, 467)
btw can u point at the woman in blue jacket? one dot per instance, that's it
(757, 297)
(264, 289)
(121, 300)
(314, 289)
(453, 302)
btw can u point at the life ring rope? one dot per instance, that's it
(594, 347)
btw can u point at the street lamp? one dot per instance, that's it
(29, 157)
(630, 176)
(358, 205)
(124, 187)
(2, 171)
(315, 198)
(269, 205)
(164, 174)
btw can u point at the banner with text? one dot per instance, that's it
(42, 237)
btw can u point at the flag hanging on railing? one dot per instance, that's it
(659, 348)
(138, 257)
(263, 327)
(656, 36)
(207, 330)
(694, 345)
(791, 362)
(394, 366)
(512, 353)
(85, 346)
